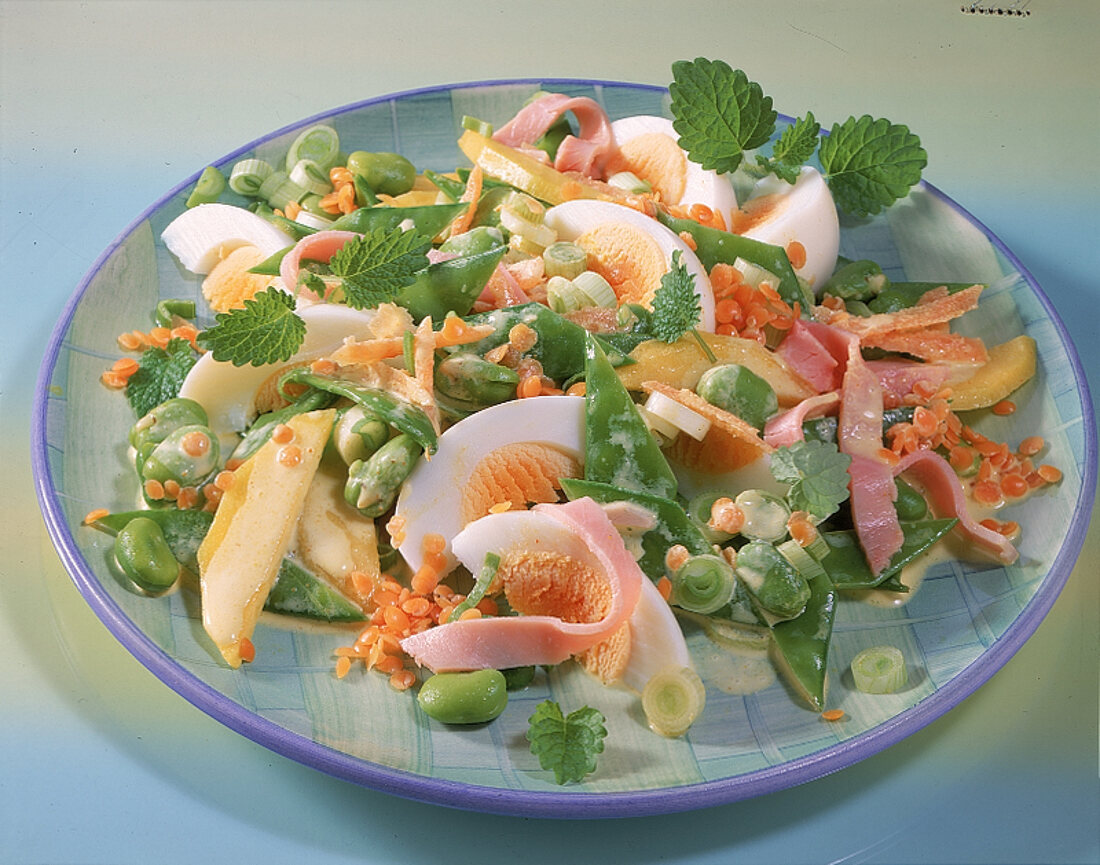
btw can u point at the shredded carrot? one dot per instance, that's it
(470, 195)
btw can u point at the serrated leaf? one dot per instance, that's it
(817, 473)
(718, 112)
(793, 149)
(676, 307)
(869, 164)
(566, 745)
(265, 330)
(160, 375)
(375, 267)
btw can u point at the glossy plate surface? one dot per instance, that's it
(962, 625)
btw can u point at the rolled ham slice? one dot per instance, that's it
(501, 642)
(785, 428)
(586, 152)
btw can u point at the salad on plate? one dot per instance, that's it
(602, 385)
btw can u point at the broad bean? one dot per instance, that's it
(144, 556)
(464, 698)
(188, 455)
(740, 391)
(385, 173)
(155, 426)
(373, 483)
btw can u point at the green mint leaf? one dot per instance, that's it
(676, 307)
(718, 113)
(160, 376)
(375, 267)
(265, 330)
(869, 164)
(793, 149)
(817, 473)
(566, 745)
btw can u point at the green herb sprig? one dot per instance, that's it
(566, 745)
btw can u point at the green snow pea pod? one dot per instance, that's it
(188, 455)
(560, 344)
(619, 448)
(145, 557)
(183, 531)
(910, 504)
(265, 424)
(740, 391)
(450, 286)
(713, 245)
(802, 643)
(856, 280)
(385, 173)
(171, 308)
(470, 381)
(774, 583)
(398, 413)
(666, 523)
(847, 565)
(373, 483)
(518, 678)
(480, 239)
(464, 698)
(357, 434)
(899, 295)
(427, 219)
(452, 187)
(155, 426)
(300, 592)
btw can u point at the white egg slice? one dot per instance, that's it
(779, 213)
(203, 235)
(430, 501)
(228, 392)
(649, 148)
(656, 640)
(625, 245)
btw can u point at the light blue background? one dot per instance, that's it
(105, 106)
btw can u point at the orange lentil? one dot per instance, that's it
(471, 613)
(187, 497)
(417, 606)
(435, 560)
(340, 175)
(675, 557)
(726, 516)
(212, 494)
(960, 457)
(1009, 528)
(395, 619)
(444, 615)
(195, 443)
(832, 714)
(125, 366)
(433, 543)
(688, 238)
(402, 680)
(1049, 473)
(1014, 485)
(343, 665)
(1004, 407)
(130, 341)
(95, 516)
(224, 479)
(113, 380)
(395, 528)
(796, 252)
(987, 493)
(888, 456)
(924, 421)
(159, 336)
(500, 507)
(488, 607)
(577, 389)
(248, 651)
(290, 456)
(232, 464)
(383, 597)
(389, 664)
(425, 579)
(529, 387)
(801, 528)
(282, 434)
(725, 310)
(1032, 445)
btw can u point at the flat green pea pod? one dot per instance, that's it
(470, 382)
(774, 583)
(373, 483)
(155, 426)
(480, 239)
(464, 698)
(900, 295)
(713, 246)
(560, 344)
(187, 456)
(846, 563)
(427, 219)
(910, 504)
(265, 424)
(856, 280)
(385, 173)
(802, 643)
(740, 391)
(450, 286)
(145, 557)
(357, 434)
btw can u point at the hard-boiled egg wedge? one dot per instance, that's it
(483, 456)
(648, 148)
(779, 213)
(203, 235)
(229, 283)
(630, 250)
(524, 539)
(228, 392)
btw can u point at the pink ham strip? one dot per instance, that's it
(947, 498)
(518, 641)
(859, 434)
(805, 354)
(585, 153)
(315, 247)
(785, 428)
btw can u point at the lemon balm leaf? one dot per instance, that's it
(793, 149)
(159, 376)
(718, 112)
(870, 163)
(566, 745)
(375, 267)
(676, 307)
(265, 330)
(817, 473)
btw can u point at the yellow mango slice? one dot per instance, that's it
(1010, 364)
(252, 529)
(681, 363)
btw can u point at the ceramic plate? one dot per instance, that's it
(962, 625)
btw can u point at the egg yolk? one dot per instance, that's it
(657, 159)
(628, 258)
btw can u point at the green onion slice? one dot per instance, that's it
(319, 143)
(672, 699)
(310, 176)
(566, 259)
(248, 175)
(879, 670)
(703, 584)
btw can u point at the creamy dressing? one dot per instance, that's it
(733, 669)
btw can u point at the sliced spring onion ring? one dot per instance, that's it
(703, 584)
(564, 259)
(309, 175)
(672, 700)
(597, 289)
(680, 416)
(879, 670)
(248, 175)
(320, 143)
(797, 555)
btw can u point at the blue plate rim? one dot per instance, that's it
(530, 803)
